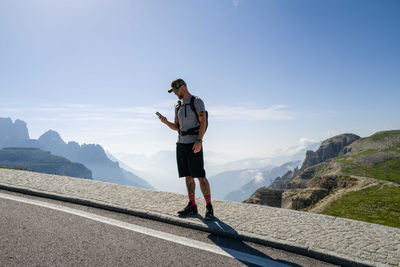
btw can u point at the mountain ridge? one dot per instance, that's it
(367, 163)
(92, 156)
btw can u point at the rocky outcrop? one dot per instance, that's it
(12, 134)
(330, 148)
(302, 188)
(302, 198)
(266, 196)
(282, 182)
(377, 141)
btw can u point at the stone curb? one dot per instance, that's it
(330, 257)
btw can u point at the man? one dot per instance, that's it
(191, 123)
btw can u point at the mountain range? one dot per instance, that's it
(37, 160)
(90, 155)
(347, 176)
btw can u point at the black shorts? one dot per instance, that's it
(189, 163)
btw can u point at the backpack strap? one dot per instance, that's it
(192, 106)
(177, 107)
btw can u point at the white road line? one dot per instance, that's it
(154, 233)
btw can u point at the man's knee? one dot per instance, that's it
(203, 180)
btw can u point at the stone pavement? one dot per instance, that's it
(335, 240)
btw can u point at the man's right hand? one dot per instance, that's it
(173, 126)
(163, 119)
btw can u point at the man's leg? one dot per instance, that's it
(191, 208)
(205, 188)
(191, 187)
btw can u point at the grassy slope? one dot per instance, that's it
(377, 204)
(388, 169)
(379, 136)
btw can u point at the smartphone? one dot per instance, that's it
(158, 114)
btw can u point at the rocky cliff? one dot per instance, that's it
(282, 182)
(12, 133)
(316, 179)
(267, 196)
(329, 148)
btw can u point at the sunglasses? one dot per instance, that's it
(177, 88)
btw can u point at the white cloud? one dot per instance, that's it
(304, 142)
(276, 112)
(259, 178)
(78, 112)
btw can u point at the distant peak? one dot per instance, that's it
(51, 133)
(13, 130)
(51, 137)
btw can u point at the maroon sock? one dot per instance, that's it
(192, 199)
(208, 199)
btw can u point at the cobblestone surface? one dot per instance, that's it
(341, 238)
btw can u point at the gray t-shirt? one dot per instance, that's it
(188, 119)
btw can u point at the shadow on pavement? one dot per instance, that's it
(220, 241)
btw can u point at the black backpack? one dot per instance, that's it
(195, 130)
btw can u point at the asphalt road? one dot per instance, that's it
(32, 235)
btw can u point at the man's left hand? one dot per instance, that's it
(196, 147)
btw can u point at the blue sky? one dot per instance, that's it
(273, 74)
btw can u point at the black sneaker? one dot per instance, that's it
(190, 209)
(209, 213)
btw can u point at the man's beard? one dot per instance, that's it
(180, 96)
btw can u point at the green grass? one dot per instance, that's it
(389, 173)
(382, 135)
(378, 204)
(379, 171)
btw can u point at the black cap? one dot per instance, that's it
(176, 84)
